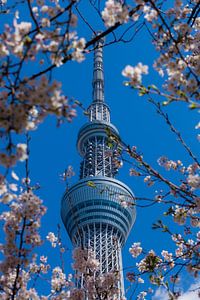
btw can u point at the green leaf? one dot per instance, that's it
(181, 94)
(193, 105)
(78, 102)
(91, 184)
(165, 228)
(153, 87)
(134, 87)
(143, 91)
(27, 40)
(108, 131)
(110, 145)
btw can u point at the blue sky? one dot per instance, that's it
(53, 149)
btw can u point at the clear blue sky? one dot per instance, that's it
(53, 149)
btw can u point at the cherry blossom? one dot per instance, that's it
(84, 259)
(194, 181)
(114, 12)
(150, 14)
(52, 239)
(142, 295)
(135, 73)
(135, 249)
(167, 256)
(58, 280)
(78, 46)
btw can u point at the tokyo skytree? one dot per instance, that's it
(91, 209)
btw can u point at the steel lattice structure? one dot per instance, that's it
(92, 213)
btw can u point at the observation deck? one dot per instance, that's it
(96, 200)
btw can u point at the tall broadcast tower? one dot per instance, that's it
(91, 209)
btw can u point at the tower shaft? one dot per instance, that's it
(91, 209)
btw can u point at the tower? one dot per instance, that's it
(92, 209)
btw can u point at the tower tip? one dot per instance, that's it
(98, 110)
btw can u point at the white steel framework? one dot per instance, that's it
(105, 242)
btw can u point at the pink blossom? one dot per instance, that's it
(135, 73)
(114, 12)
(135, 249)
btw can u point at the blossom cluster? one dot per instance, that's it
(125, 201)
(20, 154)
(17, 40)
(194, 181)
(180, 62)
(58, 279)
(191, 171)
(176, 38)
(41, 267)
(181, 214)
(150, 262)
(187, 249)
(105, 285)
(115, 12)
(52, 239)
(95, 282)
(169, 164)
(135, 73)
(34, 100)
(22, 221)
(84, 259)
(67, 174)
(45, 43)
(186, 253)
(135, 249)
(21, 228)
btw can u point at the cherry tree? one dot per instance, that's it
(45, 39)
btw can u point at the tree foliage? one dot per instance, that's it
(44, 35)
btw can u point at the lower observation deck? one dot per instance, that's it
(97, 200)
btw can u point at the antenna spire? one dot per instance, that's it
(98, 73)
(98, 110)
